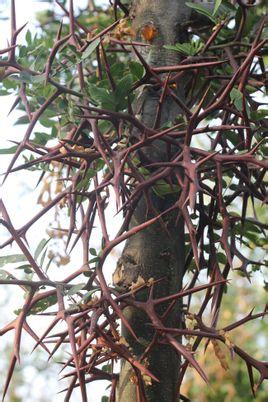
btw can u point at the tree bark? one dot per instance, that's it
(156, 252)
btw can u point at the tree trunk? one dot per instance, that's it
(156, 252)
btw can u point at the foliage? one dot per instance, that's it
(78, 79)
(231, 384)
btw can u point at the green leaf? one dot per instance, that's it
(28, 37)
(10, 259)
(99, 164)
(118, 70)
(90, 49)
(248, 227)
(107, 368)
(136, 69)
(122, 91)
(48, 264)
(87, 274)
(40, 247)
(221, 258)
(162, 188)
(41, 138)
(42, 259)
(237, 98)
(75, 289)
(22, 120)
(188, 48)
(8, 151)
(216, 6)
(202, 10)
(46, 122)
(9, 83)
(265, 61)
(25, 77)
(93, 251)
(85, 182)
(44, 304)
(96, 259)
(259, 114)
(124, 86)
(87, 296)
(232, 137)
(26, 268)
(101, 96)
(38, 79)
(36, 51)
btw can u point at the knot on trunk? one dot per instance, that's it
(127, 271)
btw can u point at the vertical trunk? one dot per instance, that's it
(154, 252)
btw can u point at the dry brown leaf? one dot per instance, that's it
(139, 283)
(220, 354)
(123, 30)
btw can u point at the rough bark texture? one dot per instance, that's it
(156, 252)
